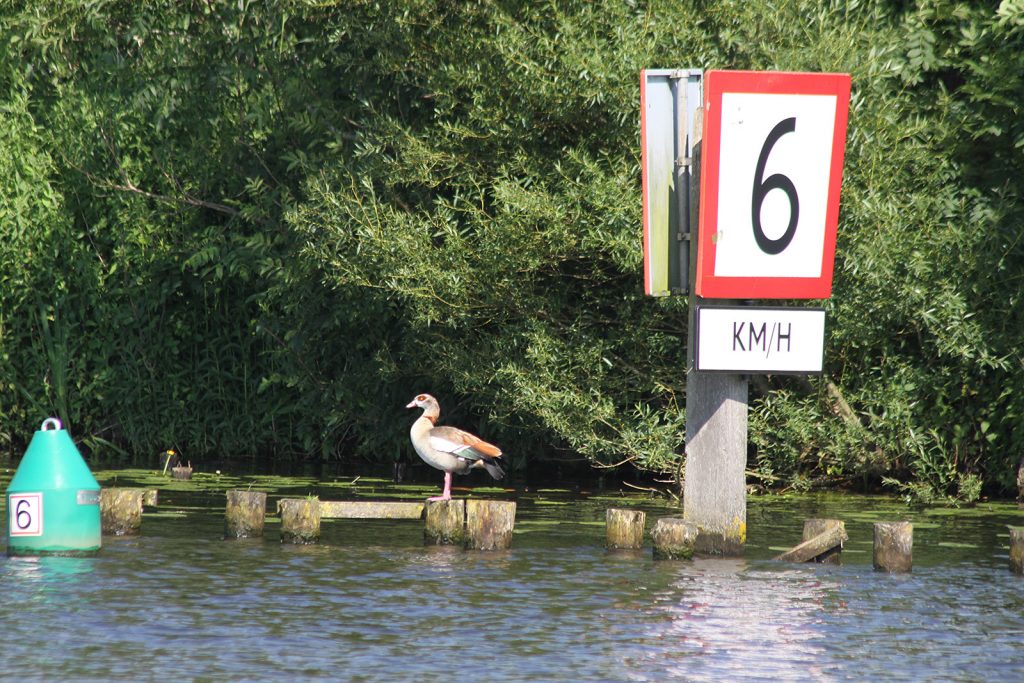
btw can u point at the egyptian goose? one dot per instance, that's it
(449, 449)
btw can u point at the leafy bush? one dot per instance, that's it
(246, 229)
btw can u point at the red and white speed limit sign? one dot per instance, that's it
(772, 169)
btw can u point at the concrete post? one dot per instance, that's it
(715, 490)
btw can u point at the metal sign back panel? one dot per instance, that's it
(772, 171)
(669, 99)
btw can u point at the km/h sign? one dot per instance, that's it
(754, 340)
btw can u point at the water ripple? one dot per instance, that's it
(171, 606)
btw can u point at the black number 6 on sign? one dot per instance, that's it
(776, 181)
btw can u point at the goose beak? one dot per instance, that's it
(412, 404)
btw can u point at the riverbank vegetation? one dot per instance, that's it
(259, 228)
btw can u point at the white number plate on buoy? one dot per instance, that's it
(26, 514)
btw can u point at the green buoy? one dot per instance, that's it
(53, 501)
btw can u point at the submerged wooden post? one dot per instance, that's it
(823, 541)
(489, 524)
(121, 511)
(816, 527)
(245, 514)
(674, 538)
(300, 520)
(625, 528)
(893, 546)
(445, 522)
(1017, 549)
(183, 473)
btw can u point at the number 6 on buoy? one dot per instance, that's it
(26, 514)
(772, 166)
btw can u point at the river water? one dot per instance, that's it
(371, 603)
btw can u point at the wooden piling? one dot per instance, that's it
(445, 522)
(674, 538)
(244, 514)
(893, 546)
(1020, 481)
(300, 520)
(1017, 549)
(182, 473)
(822, 542)
(624, 528)
(489, 524)
(121, 511)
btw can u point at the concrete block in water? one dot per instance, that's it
(445, 522)
(624, 528)
(489, 524)
(674, 538)
(121, 511)
(245, 514)
(300, 520)
(893, 546)
(1017, 549)
(475, 524)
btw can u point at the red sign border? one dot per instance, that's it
(716, 83)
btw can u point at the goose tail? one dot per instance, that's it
(493, 467)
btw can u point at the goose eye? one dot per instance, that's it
(421, 397)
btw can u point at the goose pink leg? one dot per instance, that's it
(447, 493)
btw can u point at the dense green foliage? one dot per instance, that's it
(259, 228)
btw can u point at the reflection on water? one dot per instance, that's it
(22, 571)
(371, 603)
(724, 619)
(38, 584)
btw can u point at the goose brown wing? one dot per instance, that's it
(457, 442)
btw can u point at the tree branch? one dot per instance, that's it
(185, 199)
